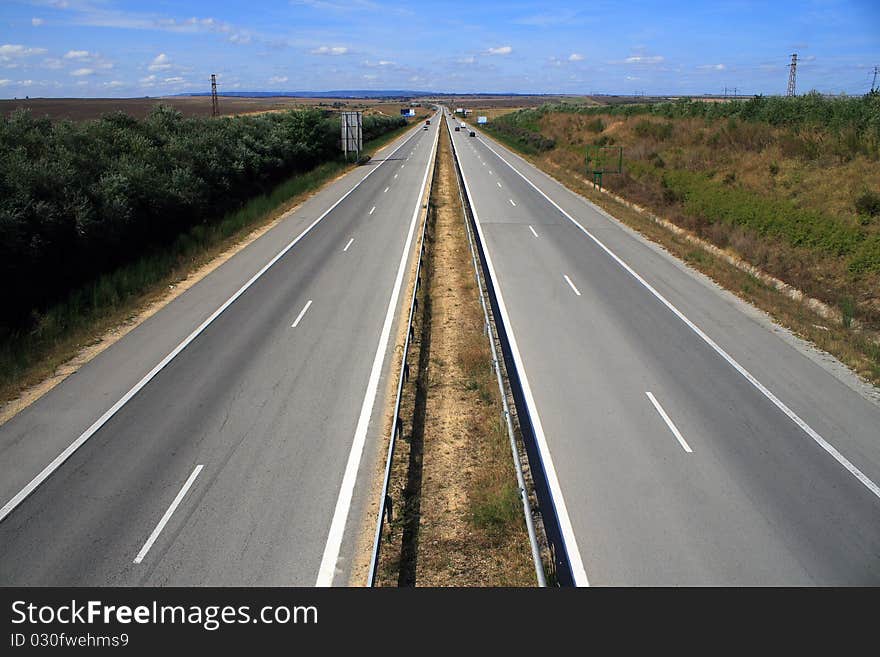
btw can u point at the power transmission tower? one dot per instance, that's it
(215, 106)
(874, 81)
(792, 73)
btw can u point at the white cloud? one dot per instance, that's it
(174, 80)
(80, 72)
(466, 60)
(370, 76)
(113, 84)
(81, 57)
(575, 57)
(173, 25)
(712, 67)
(3, 83)
(501, 50)
(277, 79)
(330, 50)
(240, 39)
(644, 59)
(10, 50)
(161, 62)
(53, 63)
(148, 81)
(36, 22)
(382, 63)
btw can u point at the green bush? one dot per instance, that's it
(523, 128)
(650, 129)
(779, 218)
(596, 125)
(868, 203)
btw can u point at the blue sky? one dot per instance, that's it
(138, 47)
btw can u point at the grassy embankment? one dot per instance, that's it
(55, 332)
(458, 517)
(791, 186)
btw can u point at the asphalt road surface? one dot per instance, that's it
(689, 441)
(236, 463)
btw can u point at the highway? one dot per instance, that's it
(222, 441)
(688, 441)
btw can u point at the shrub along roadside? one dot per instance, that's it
(27, 356)
(522, 129)
(853, 121)
(778, 218)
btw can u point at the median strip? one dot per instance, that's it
(456, 518)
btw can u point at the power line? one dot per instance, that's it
(792, 73)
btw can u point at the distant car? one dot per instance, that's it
(473, 134)
(457, 129)
(428, 122)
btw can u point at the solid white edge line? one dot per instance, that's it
(327, 570)
(301, 313)
(669, 423)
(167, 516)
(806, 428)
(348, 245)
(533, 231)
(571, 285)
(568, 537)
(85, 435)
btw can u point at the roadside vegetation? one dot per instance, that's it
(93, 215)
(790, 185)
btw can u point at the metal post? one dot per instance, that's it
(215, 106)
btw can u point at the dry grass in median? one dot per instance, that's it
(463, 524)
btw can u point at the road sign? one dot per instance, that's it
(352, 133)
(482, 119)
(407, 112)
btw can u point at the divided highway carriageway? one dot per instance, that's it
(686, 441)
(220, 442)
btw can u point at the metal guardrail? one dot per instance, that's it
(396, 423)
(527, 508)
